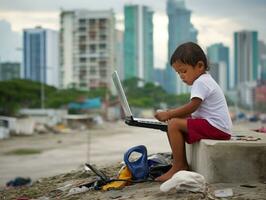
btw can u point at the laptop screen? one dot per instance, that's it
(121, 94)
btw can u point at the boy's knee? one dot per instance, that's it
(173, 123)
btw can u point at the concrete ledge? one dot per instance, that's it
(233, 161)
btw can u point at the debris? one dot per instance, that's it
(124, 174)
(245, 138)
(185, 180)
(248, 186)
(19, 181)
(139, 168)
(77, 190)
(261, 130)
(227, 192)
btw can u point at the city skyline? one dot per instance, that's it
(209, 17)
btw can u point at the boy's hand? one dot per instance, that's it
(162, 116)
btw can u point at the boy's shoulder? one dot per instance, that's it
(204, 78)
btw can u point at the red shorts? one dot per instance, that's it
(201, 129)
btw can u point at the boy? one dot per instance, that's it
(206, 116)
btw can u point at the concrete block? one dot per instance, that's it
(233, 161)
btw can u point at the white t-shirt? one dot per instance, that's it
(213, 107)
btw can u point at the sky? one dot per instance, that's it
(215, 20)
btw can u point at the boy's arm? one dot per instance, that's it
(186, 109)
(182, 111)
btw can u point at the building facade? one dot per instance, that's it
(246, 57)
(9, 70)
(180, 30)
(87, 49)
(138, 42)
(40, 55)
(219, 54)
(262, 61)
(218, 72)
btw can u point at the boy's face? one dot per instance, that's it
(188, 73)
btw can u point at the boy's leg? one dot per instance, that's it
(177, 143)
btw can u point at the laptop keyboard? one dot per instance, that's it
(150, 121)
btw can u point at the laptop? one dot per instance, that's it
(130, 119)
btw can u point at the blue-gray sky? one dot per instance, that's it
(216, 20)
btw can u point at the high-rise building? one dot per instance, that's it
(138, 42)
(180, 30)
(87, 49)
(262, 61)
(159, 76)
(218, 72)
(40, 55)
(119, 53)
(246, 57)
(219, 54)
(9, 70)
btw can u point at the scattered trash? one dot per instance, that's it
(185, 180)
(19, 181)
(22, 198)
(158, 170)
(245, 138)
(78, 190)
(65, 188)
(124, 174)
(139, 168)
(227, 192)
(260, 130)
(248, 186)
(157, 159)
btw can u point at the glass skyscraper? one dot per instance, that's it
(40, 55)
(219, 54)
(180, 30)
(246, 56)
(138, 42)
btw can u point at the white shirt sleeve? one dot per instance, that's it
(200, 90)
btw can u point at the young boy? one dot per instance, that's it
(206, 116)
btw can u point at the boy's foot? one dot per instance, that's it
(169, 174)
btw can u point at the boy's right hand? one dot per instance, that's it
(162, 116)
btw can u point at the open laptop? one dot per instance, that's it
(130, 120)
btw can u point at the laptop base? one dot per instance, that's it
(131, 122)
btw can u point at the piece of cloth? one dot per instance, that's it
(198, 129)
(213, 107)
(18, 181)
(124, 174)
(185, 180)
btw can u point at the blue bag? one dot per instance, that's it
(138, 168)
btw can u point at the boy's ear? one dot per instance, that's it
(200, 65)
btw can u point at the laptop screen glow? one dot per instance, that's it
(121, 94)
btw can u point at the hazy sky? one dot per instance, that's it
(216, 20)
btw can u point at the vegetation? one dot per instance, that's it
(16, 94)
(21, 152)
(150, 95)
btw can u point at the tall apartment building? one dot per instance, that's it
(138, 42)
(40, 55)
(180, 30)
(87, 44)
(218, 55)
(246, 56)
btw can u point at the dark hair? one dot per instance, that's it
(189, 53)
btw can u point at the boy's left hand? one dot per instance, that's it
(162, 116)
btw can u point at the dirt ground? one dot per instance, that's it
(60, 153)
(60, 164)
